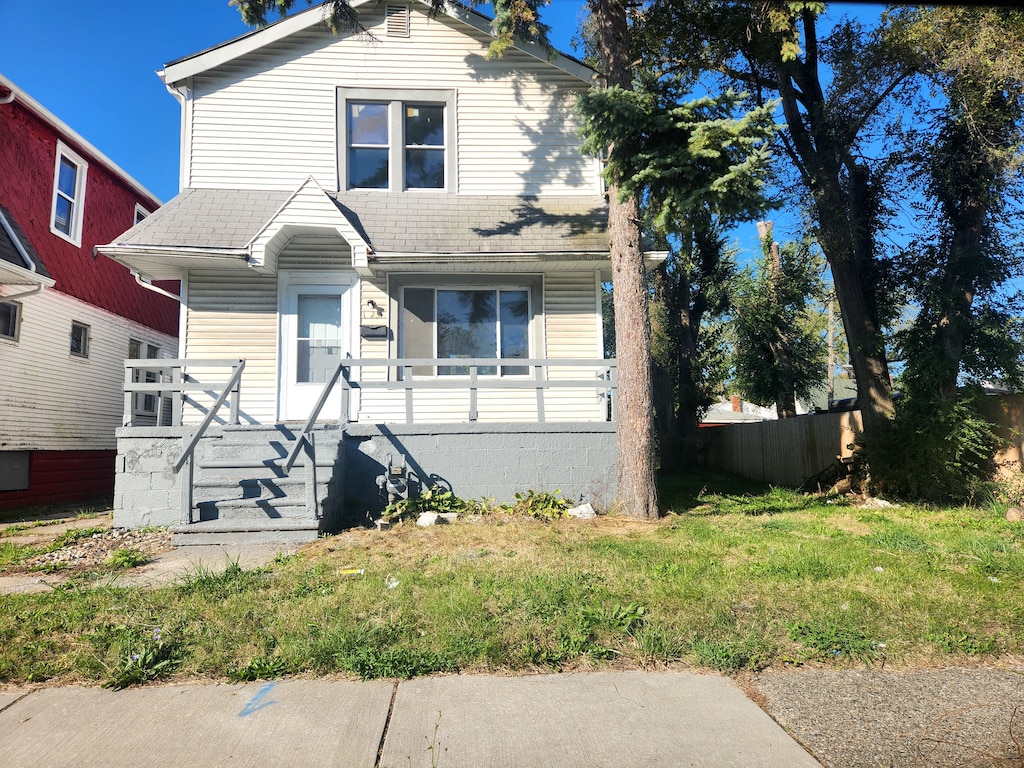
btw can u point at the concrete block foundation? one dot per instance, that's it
(476, 461)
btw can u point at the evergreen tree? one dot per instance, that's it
(780, 349)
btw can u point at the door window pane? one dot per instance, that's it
(466, 327)
(319, 338)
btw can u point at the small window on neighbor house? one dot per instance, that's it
(145, 402)
(79, 339)
(68, 194)
(140, 213)
(10, 317)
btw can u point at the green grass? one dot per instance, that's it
(730, 580)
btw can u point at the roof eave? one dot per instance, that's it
(188, 66)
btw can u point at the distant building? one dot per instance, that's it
(68, 316)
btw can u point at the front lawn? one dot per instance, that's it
(728, 580)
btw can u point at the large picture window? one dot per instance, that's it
(396, 140)
(460, 323)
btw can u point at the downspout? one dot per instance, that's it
(7, 99)
(154, 288)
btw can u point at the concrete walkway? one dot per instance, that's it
(618, 719)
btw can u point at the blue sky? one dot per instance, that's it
(94, 65)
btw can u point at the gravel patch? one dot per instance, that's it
(95, 550)
(931, 718)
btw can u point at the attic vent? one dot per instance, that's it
(398, 20)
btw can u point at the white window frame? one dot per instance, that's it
(396, 99)
(17, 321)
(86, 340)
(74, 233)
(532, 284)
(140, 213)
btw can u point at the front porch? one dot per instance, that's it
(198, 463)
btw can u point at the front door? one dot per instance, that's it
(316, 335)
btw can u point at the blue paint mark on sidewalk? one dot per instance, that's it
(256, 703)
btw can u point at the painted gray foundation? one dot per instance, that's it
(477, 461)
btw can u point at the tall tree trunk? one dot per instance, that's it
(637, 492)
(839, 189)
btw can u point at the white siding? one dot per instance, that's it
(53, 401)
(268, 119)
(234, 315)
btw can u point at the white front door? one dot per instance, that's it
(316, 335)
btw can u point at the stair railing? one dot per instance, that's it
(187, 457)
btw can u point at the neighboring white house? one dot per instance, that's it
(396, 198)
(68, 319)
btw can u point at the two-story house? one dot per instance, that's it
(68, 317)
(394, 209)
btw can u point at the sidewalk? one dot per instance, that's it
(614, 719)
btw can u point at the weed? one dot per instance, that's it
(624, 618)
(126, 557)
(731, 654)
(827, 640)
(957, 641)
(73, 535)
(432, 499)
(143, 657)
(260, 668)
(542, 505)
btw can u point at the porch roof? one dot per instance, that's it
(226, 220)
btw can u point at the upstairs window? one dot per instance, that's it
(68, 194)
(10, 318)
(140, 213)
(397, 140)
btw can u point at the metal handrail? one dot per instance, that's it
(293, 454)
(232, 383)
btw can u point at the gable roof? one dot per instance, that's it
(196, 63)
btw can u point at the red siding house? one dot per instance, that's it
(68, 316)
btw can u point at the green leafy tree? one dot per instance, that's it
(830, 91)
(780, 348)
(968, 326)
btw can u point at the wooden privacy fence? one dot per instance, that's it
(791, 451)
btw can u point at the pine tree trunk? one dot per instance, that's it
(637, 491)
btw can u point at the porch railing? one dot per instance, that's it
(169, 382)
(400, 376)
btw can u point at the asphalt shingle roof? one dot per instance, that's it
(207, 218)
(412, 222)
(421, 222)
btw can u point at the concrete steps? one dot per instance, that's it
(241, 494)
